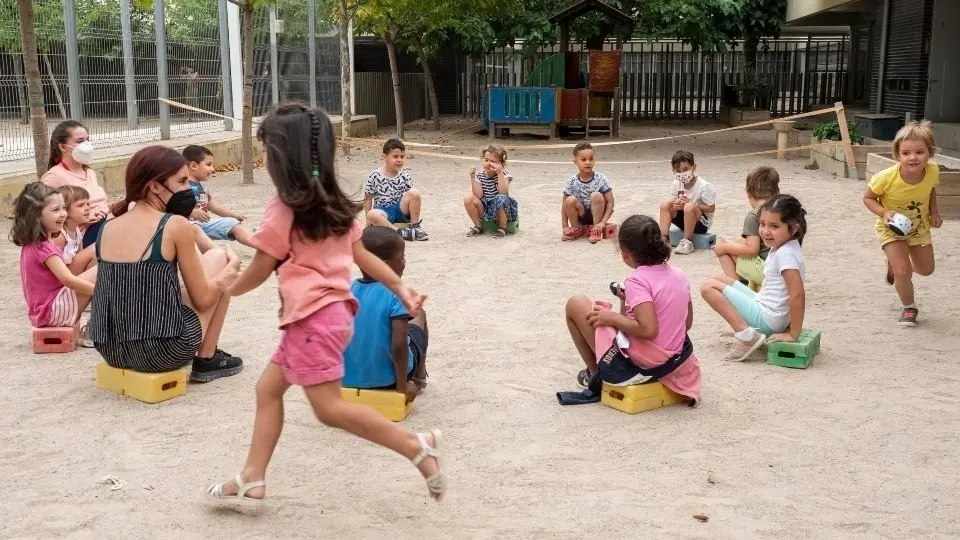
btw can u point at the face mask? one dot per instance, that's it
(181, 203)
(83, 152)
(684, 177)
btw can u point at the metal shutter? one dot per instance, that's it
(907, 54)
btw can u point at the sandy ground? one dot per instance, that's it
(864, 443)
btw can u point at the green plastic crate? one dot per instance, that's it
(491, 227)
(798, 354)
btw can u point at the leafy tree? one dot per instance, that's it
(382, 19)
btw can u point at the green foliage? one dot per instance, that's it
(830, 131)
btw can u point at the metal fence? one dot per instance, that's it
(105, 63)
(375, 96)
(666, 79)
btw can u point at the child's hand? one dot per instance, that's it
(199, 215)
(784, 337)
(473, 172)
(598, 317)
(889, 217)
(412, 391)
(241, 219)
(497, 167)
(936, 220)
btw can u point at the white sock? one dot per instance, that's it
(911, 306)
(746, 334)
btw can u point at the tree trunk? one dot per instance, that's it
(38, 117)
(395, 75)
(246, 133)
(346, 109)
(21, 93)
(749, 87)
(428, 77)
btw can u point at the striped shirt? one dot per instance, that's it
(489, 184)
(387, 190)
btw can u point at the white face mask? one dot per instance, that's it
(83, 152)
(684, 177)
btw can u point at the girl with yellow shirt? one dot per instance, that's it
(907, 188)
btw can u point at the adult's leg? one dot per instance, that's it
(366, 423)
(212, 319)
(898, 255)
(712, 291)
(474, 208)
(580, 330)
(691, 215)
(410, 205)
(267, 426)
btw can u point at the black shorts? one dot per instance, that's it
(699, 228)
(587, 217)
(417, 339)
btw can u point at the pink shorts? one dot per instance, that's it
(311, 349)
(64, 310)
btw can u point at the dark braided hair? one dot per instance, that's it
(791, 213)
(640, 236)
(301, 159)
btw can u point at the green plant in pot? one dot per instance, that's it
(830, 131)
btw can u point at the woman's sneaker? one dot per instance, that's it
(908, 317)
(210, 369)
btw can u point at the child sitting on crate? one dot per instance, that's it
(691, 205)
(647, 338)
(389, 348)
(55, 296)
(744, 258)
(389, 196)
(489, 198)
(229, 226)
(587, 200)
(70, 240)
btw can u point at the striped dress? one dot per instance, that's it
(138, 320)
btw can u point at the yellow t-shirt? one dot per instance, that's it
(911, 200)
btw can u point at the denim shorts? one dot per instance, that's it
(745, 302)
(219, 228)
(393, 212)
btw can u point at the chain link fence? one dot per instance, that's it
(99, 63)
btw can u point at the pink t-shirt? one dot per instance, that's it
(316, 273)
(669, 290)
(40, 285)
(59, 175)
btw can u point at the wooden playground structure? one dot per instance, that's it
(558, 95)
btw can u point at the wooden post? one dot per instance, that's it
(847, 143)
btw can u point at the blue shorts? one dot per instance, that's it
(219, 228)
(417, 344)
(393, 212)
(745, 302)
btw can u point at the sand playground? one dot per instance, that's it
(861, 444)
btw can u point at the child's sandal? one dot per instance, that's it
(474, 231)
(501, 232)
(595, 236)
(240, 500)
(436, 484)
(572, 233)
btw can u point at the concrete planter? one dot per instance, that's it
(742, 116)
(833, 159)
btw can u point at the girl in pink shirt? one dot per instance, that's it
(71, 152)
(311, 238)
(651, 327)
(54, 295)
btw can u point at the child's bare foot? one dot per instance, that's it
(428, 462)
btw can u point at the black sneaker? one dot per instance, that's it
(209, 369)
(908, 317)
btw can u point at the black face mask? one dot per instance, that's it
(181, 203)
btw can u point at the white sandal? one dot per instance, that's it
(436, 484)
(240, 500)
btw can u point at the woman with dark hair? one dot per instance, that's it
(70, 154)
(140, 319)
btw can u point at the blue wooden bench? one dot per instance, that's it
(513, 106)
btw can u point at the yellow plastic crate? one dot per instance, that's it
(391, 404)
(146, 387)
(639, 397)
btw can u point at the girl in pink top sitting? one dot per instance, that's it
(650, 330)
(70, 154)
(311, 238)
(54, 295)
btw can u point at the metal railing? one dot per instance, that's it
(103, 62)
(375, 96)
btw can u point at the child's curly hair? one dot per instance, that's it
(27, 210)
(497, 150)
(640, 236)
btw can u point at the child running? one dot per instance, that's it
(229, 226)
(744, 258)
(389, 195)
(587, 199)
(54, 295)
(389, 346)
(777, 310)
(908, 189)
(691, 205)
(70, 240)
(650, 330)
(310, 237)
(489, 198)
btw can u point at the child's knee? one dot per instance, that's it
(924, 269)
(690, 208)
(571, 203)
(596, 198)
(902, 268)
(470, 200)
(412, 194)
(577, 305)
(709, 285)
(667, 205)
(372, 215)
(328, 412)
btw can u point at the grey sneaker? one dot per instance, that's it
(419, 234)
(908, 317)
(685, 247)
(743, 349)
